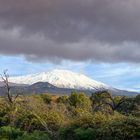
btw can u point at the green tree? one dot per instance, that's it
(46, 98)
(79, 100)
(62, 99)
(137, 99)
(101, 99)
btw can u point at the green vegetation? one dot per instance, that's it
(46, 98)
(74, 117)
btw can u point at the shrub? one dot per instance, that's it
(53, 120)
(85, 134)
(10, 133)
(137, 99)
(62, 99)
(79, 100)
(28, 122)
(102, 127)
(127, 128)
(7, 132)
(46, 98)
(36, 135)
(74, 133)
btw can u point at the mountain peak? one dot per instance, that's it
(63, 71)
(60, 78)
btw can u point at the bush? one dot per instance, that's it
(10, 133)
(102, 127)
(137, 99)
(127, 107)
(46, 98)
(4, 120)
(127, 128)
(85, 134)
(73, 133)
(79, 100)
(36, 135)
(62, 99)
(7, 132)
(28, 122)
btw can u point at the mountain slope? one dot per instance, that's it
(61, 79)
(58, 82)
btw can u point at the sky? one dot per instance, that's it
(99, 38)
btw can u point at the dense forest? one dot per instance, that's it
(100, 116)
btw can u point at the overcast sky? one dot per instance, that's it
(100, 38)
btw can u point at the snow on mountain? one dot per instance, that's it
(61, 79)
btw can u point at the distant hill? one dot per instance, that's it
(45, 87)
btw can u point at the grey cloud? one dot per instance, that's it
(78, 30)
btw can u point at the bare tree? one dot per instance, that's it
(5, 79)
(11, 100)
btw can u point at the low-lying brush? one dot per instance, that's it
(74, 117)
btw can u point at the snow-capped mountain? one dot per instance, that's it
(61, 79)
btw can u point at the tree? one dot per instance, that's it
(11, 101)
(137, 99)
(78, 100)
(46, 98)
(62, 99)
(104, 98)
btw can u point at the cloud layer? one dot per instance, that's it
(78, 30)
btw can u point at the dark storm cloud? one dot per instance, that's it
(79, 30)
